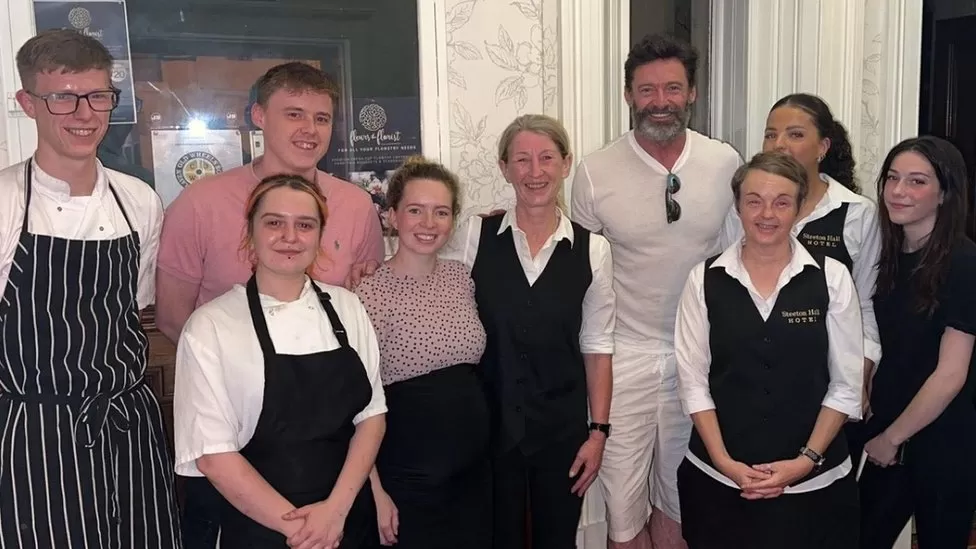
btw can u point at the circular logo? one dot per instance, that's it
(194, 165)
(118, 72)
(372, 117)
(79, 18)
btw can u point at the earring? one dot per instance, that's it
(820, 159)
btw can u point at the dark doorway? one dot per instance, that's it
(948, 86)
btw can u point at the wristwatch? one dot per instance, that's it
(817, 459)
(602, 427)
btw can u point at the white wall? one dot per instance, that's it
(861, 56)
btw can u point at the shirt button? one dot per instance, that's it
(101, 228)
(60, 209)
(520, 381)
(767, 340)
(528, 303)
(518, 409)
(766, 391)
(524, 356)
(767, 367)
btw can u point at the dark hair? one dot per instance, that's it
(61, 50)
(930, 273)
(839, 162)
(272, 182)
(418, 167)
(775, 163)
(655, 47)
(295, 77)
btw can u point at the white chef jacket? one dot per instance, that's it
(862, 237)
(844, 357)
(219, 389)
(599, 301)
(54, 212)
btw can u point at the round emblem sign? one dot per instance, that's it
(194, 165)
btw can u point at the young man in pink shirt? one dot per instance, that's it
(200, 254)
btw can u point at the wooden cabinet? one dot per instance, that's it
(161, 371)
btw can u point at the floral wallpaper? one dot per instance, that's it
(502, 62)
(872, 149)
(4, 158)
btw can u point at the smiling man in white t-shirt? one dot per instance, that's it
(659, 194)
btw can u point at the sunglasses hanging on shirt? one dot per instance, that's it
(672, 206)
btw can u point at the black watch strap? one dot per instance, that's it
(817, 459)
(602, 427)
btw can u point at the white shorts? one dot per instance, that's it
(649, 439)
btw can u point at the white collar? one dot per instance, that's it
(59, 190)
(564, 229)
(731, 259)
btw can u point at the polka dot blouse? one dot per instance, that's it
(423, 324)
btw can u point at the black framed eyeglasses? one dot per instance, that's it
(673, 208)
(67, 103)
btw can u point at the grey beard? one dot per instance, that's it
(661, 132)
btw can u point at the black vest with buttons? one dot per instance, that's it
(768, 379)
(825, 236)
(532, 364)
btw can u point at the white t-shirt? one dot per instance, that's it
(54, 212)
(619, 191)
(219, 391)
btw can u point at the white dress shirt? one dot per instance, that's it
(862, 237)
(844, 356)
(599, 302)
(54, 212)
(219, 390)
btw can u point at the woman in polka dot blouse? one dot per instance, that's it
(432, 482)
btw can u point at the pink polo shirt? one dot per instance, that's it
(204, 227)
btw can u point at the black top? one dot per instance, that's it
(825, 236)
(532, 365)
(911, 340)
(768, 378)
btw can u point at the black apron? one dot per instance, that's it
(302, 436)
(83, 458)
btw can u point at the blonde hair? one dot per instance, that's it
(542, 125)
(418, 167)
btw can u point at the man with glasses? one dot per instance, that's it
(83, 458)
(660, 194)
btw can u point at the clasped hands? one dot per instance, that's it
(315, 526)
(766, 480)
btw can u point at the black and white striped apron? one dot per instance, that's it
(83, 456)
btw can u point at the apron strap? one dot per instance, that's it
(337, 328)
(257, 317)
(28, 175)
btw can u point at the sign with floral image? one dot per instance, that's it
(383, 133)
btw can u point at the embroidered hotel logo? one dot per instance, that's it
(822, 240)
(194, 165)
(803, 316)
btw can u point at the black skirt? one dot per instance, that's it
(434, 459)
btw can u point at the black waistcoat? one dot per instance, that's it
(768, 378)
(825, 236)
(532, 365)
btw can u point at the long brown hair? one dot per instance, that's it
(270, 183)
(930, 273)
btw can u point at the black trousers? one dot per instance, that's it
(540, 483)
(202, 506)
(715, 516)
(943, 507)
